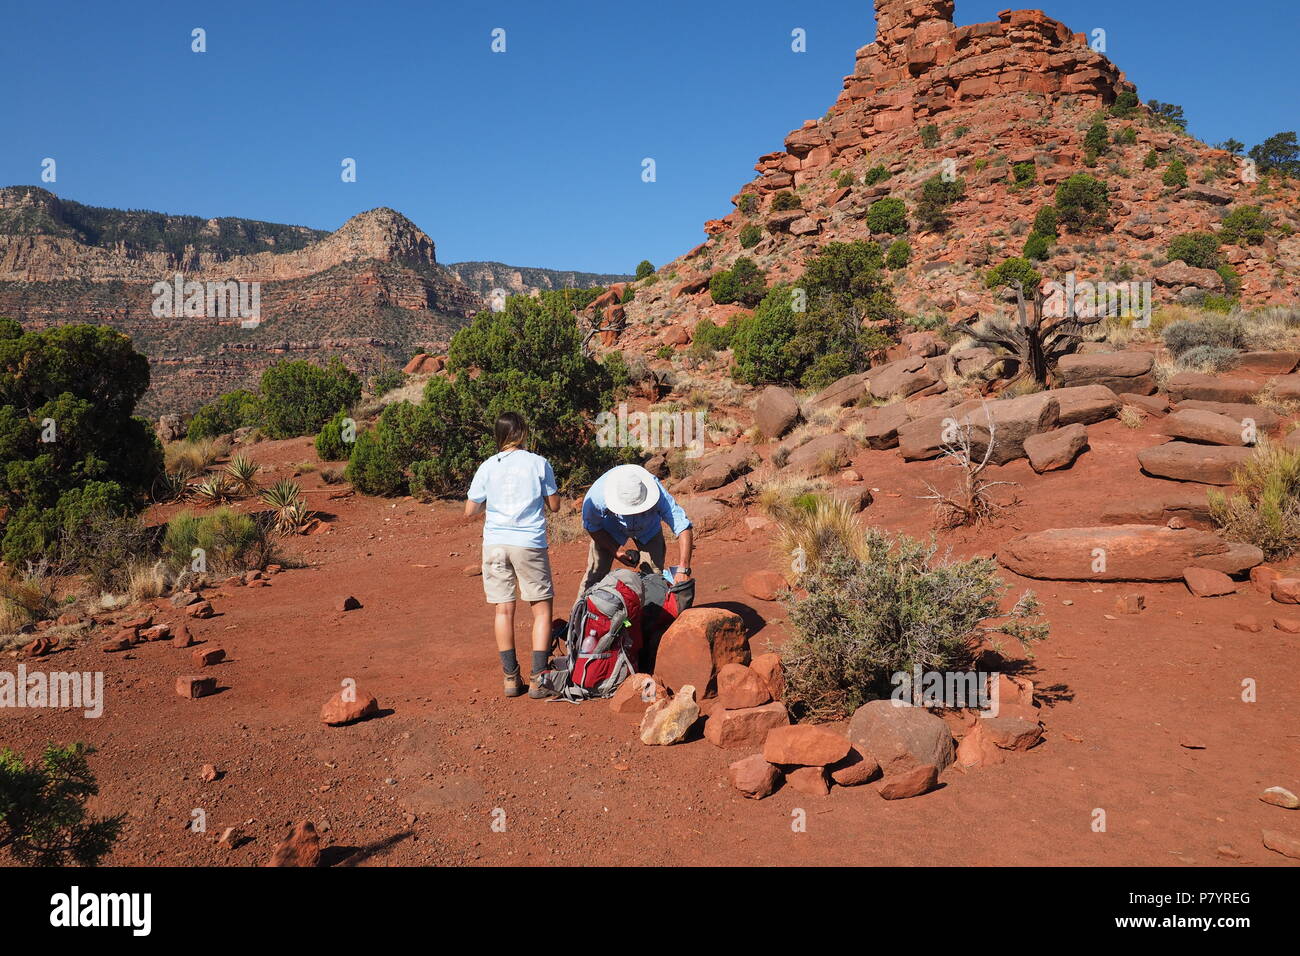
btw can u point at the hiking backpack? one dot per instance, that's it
(614, 626)
(604, 639)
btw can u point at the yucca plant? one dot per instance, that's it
(289, 508)
(243, 474)
(215, 489)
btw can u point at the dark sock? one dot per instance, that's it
(509, 663)
(540, 661)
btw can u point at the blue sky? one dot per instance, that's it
(531, 157)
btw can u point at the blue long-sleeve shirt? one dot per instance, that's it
(642, 528)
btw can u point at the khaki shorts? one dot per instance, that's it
(504, 563)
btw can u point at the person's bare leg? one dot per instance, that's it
(504, 626)
(542, 611)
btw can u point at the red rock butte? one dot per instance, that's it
(922, 65)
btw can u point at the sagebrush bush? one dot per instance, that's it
(1210, 358)
(878, 605)
(1220, 332)
(1265, 508)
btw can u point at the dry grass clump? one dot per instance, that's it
(1265, 508)
(1131, 417)
(189, 459)
(27, 596)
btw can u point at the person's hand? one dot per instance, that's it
(630, 557)
(680, 577)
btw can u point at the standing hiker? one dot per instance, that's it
(624, 513)
(513, 486)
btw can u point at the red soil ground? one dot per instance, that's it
(419, 783)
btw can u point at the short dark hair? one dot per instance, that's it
(511, 429)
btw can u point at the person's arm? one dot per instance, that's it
(476, 498)
(675, 517)
(685, 548)
(550, 491)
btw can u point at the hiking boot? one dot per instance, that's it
(537, 690)
(514, 684)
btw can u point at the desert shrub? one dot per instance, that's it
(877, 606)
(1184, 335)
(744, 282)
(1010, 271)
(330, 440)
(785, 201)
(383, 382)
(874, 175)
(937, 194)
(27, 596)
(1151, 160)
(1265, 508)
(288, 506)
(644, 268)
(1045, 222)
(222, 542)
(1022, 174)
(1097, 140)
(1279, 153)
(225, 413)
(191, 458)
(713, 336)
(750, 236)
(899, 254)
(929, 135)
(69, 440)
(1167, 114)
(1125, 105)
(1231, 286)
(298, 396)
(840, 289)
(1036, 247)
(887, 215)
(1175, 174)
(43, 819)
(1210, 358)
(1199, 249)
(747, 204)
(104, 546)
(1245, 226)
(1082, 203)
(529, 357)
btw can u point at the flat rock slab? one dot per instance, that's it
(1211, 428)
(1118, 371)
(1186, 502)
(1127, 552)
(1212, 388)
(1185, 461)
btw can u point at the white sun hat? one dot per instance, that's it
(630, 490)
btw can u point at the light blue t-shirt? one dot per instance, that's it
(642, 528)
(513, 483)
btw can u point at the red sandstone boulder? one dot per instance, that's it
(1185, 461)
(822, 455)
(754, 777)
(1212, 388)
(809, 780)
(768, 667)
(1057, 449)
(300, 848)
(1118, 371)
(1123, 553)
(744, 728)
(901, 737)
(348, 706)
(635, 694)
(764, 585)
(700, 641)
(739, 687)
(1206, 582)
(805, 745)
(855, 769)
(910, 783)
(776, 412)
(1197, 425)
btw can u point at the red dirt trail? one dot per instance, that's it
(422, 782)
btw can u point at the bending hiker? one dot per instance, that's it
(513, 486)
(624, 513)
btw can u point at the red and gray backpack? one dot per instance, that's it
(607, 631)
